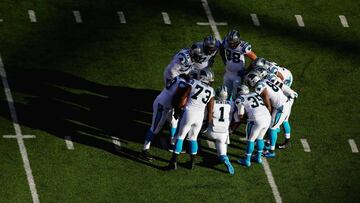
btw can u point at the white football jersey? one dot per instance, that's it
(180, 63)
(235, 59)
(200, 95)
(252, 104)
(274, 68)
(286, 89)
(204, 62)
(221, 117)
(276, 95)
(166, 95)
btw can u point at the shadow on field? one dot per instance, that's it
(65, 105)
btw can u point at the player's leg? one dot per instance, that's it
(158, 121)
(193, 135)
(221, 148)
(287, 128)
(228, 82)
(264, 126)
(252, 130)
(273, 130)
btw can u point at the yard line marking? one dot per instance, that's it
(218, 23)
(305, 145)
(300, 20)
(211, 19)
(142, 122)
(211, 144)
(32, 16)
(19, 139)
(271, 181)
(1, 20)
(117, 143)
(122, 17)
(166, 18)
(69, 143)
(353, 146)
(255, 19)
(343, 21)
(22, 136)
(77, 16)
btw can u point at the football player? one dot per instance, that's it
(233, 51)
(276, 102)
(292, 95)
(218, 129)
(183, 62)
(258, 122)
(191, 105)
(210, 47)
(163, 111)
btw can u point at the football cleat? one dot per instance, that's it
(146, 155)
(244, 162)
(229, 167)
(284, 145)
(192, 162)
(269, 154)
(172, 166)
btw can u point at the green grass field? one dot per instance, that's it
(97, 80)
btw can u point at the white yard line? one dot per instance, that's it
(353, 146)
(1, 20)
(166, 18)
(255, 19)
(211, 19)
(305, 145)
(300, 20)
(69, 143)
(77, 16)
(116, 142)
(19, 137)
(343, 21)
(16, 136)
(121, 17)
(271, 181)
(32, 16)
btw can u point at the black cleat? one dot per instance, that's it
(284, 145)
(192, 162)
(172, 166)
(146, 155)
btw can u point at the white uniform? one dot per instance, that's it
(206, 61)
(235, 64)
(219, 127)
(162, 107)
(258, 115)
(193, 115)
(279, 102)
(180, 63)
(274, 68)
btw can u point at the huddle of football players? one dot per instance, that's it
(260, 93)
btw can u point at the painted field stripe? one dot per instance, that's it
(218, 24)
(211, 144)
(1, 20)
(19, 139)
(305, 145)
(353, 146)
(255, 19)
(343, 21)
(300, 20)
(69, 143)
(116, 142)
(211, 19)
(77, 16)
(32, 16)
(16, 136)
(121, 17)
(271, 181)
(166, 18)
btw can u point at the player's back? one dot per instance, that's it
(221, 116)
(253, 104)
(200, 95)
(180, 63)
(276, 95)
(168, 92)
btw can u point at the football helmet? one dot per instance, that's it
(271, 77)
(209, 45)
(252, 78)
(233, 39)
(197, 53)
(222, 93)
(262, 72)
(242, 89)
(259, 63)
(206, 76)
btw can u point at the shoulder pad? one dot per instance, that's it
(245, 47)
(260, 87)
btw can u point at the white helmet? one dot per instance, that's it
(206, 76)
(242, 89)
(252, 78)
(258, 62)
(222, 93)
(271, 77)
(262, 71)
